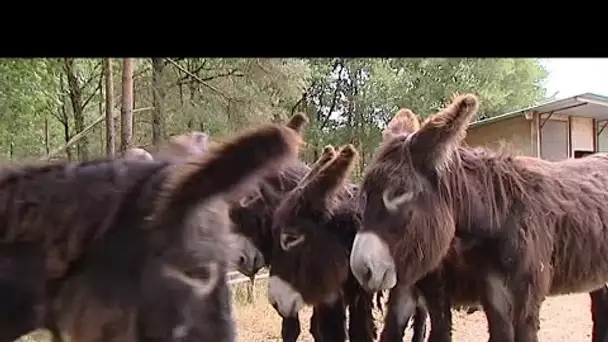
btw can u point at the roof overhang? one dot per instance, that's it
(585, 105)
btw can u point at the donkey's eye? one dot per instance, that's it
(201, 280)
(291, 240)
(394, 200)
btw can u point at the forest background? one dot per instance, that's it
(82, 109)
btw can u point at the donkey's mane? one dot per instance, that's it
(486, 182)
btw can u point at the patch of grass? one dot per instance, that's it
(245, 294)
(41, 335)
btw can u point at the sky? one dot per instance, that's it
(574, 76)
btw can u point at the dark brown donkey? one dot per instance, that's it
(455, 282)
(541, 223)
(252, 221)
(127, 250)
(314, 225)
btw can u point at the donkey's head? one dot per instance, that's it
(252, 215)
(408, 223)
(137, 153)
(311, 229)
(181, 146)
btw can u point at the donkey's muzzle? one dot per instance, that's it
(371, 263)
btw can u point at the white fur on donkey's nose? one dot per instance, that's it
(283, 297)
(371, 263)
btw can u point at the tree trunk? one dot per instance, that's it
(126, 122)
(158, 102)
(65, 122)
(75, 93)
(110, 123)
(46, 134)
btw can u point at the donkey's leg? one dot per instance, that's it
(419, 325)
(599, 314)
(528, 290)
(290, 328)
(328, 322)
(498, 307)
(401, 306)
(361, 327)
(22, 285)
(439, 305)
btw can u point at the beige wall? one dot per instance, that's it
(515, 133)
(554, 138)
(578, 129)
(520, 134)
(581, 133)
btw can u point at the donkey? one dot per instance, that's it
(543, 222)
(454, 282)
(252, 218)
(124, 250)
(315, 225)
(177, 148)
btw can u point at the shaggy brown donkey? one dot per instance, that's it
(314, 225)
(455, 281)
(544, 220)
(177, 148)
(126, 250)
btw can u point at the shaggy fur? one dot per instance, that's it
(320, 219)
(126, 250)
(544, 221)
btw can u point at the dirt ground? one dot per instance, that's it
(564, 318)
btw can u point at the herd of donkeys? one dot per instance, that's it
(137, 248)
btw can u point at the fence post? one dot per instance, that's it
(250, 289)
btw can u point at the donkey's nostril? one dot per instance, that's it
(367, 275)
(258, 262)
(242, 260)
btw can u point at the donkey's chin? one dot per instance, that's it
(372, 264)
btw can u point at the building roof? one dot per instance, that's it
(586, 105)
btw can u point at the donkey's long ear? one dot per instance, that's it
(405, 121)
(329, 153)
(333, 175)
(233, 164)
(441, 134)
(297, 122)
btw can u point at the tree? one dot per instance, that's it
(110, 123)
(126, 122)
(350, 100)
(158, 101)
(346, 99)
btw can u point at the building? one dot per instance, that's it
(570, 127)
